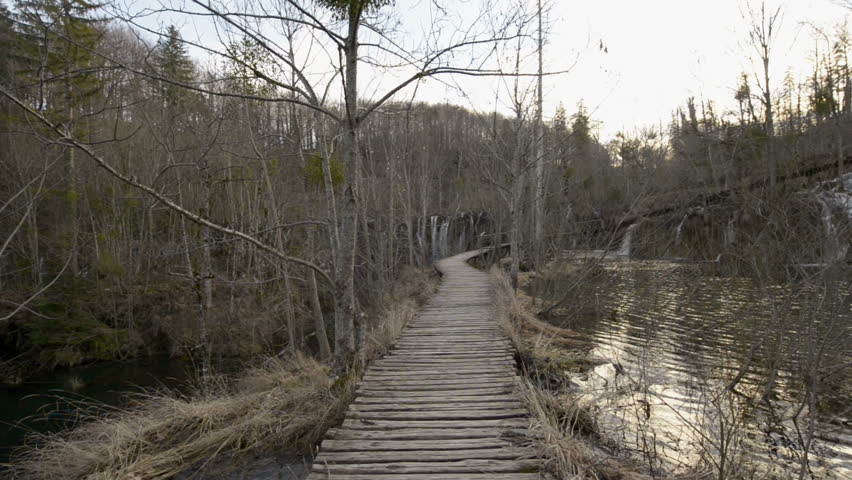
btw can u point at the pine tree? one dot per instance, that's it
(7, 37)
(55, 48)
(174, 66)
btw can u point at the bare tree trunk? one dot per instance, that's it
(344, 327)
(539, 151)
(770, 121)
(517, 198)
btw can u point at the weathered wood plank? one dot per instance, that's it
(473, 392)
(332, 445)
(441, 404)
(444, 398)
(437, 384)
(404, 436)
(461, 466)
(499, 453)
(397, 406)
(394, 376)
(356, 424)
(427, 476)
(439, 414)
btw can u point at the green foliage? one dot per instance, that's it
(314, 171)
(343, 9)
(246, 63)
(67, 341)
(581, 130)
(172, 62)
(54, 46)
(68, 334)
(823, 101)
(7, 36)
(107, 265)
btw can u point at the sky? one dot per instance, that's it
(661, 52)
(658, 53)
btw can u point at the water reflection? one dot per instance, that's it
(54, 401)
(690, 355)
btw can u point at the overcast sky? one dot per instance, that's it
(660, 52)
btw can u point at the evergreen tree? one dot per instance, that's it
(55, 48)
(7, 38)
(172, 64)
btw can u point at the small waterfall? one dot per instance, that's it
(433, 220)
(834, 251)
(679, 229)
(626, 243)
(730, 233)
(443, 230)
(846, 182)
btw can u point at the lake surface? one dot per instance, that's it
(673, 336)
(50, 402)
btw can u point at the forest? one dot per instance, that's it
(251, 207)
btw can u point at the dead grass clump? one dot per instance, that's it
(412, 289)
(565, 435)
(276, 404)
(547, 353)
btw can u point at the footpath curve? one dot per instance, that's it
(441, 405)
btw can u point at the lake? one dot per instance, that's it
(672, 337)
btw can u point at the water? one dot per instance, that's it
(48, 402)
(672, 336)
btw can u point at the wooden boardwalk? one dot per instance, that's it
(441, 405)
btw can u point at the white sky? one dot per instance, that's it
(660, 52)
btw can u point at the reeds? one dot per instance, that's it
(279, 404)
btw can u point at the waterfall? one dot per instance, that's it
(834, 251)
(846, 182)
(624, 250)
(730, 234)
(443, 231)
(461, 244)
(433, 220)
(420, 238)
(679, 229)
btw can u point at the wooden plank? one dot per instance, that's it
(451, 351)
(500, 453)
(396, 406)
(445, 398)
(427, 476)
(439, 382)
(445, 358)
(440, 414)
(441, 404)
(461, 466)
(404, 436)
(393, 376)
(471, 392)
(332, 445)
(357, 424)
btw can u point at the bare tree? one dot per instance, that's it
(763, 28)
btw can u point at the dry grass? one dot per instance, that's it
(281, 404)
(564, 434)
(399, 306)
(547, 353)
